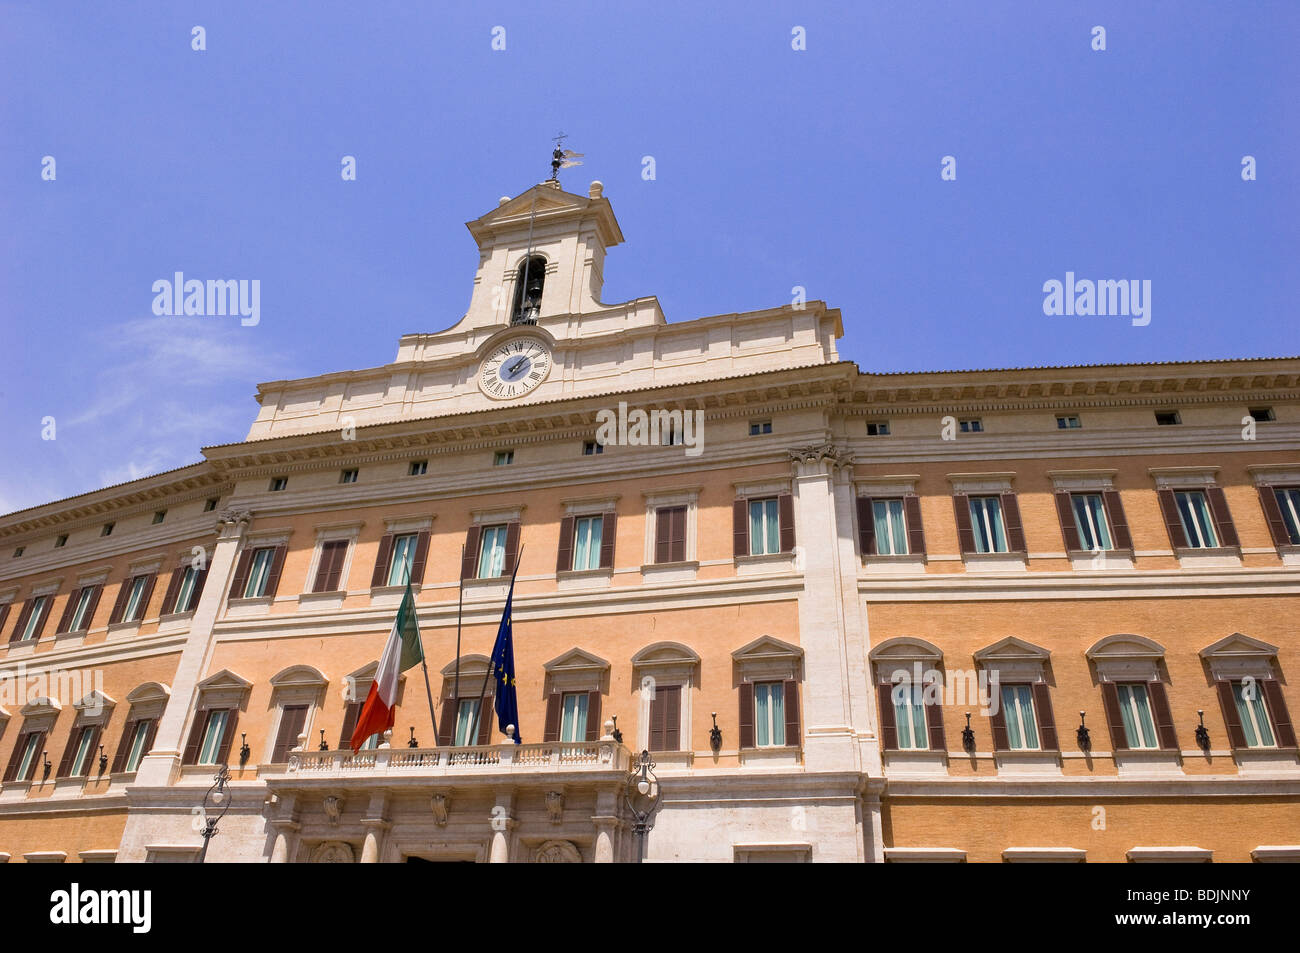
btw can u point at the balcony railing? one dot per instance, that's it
(606, 755)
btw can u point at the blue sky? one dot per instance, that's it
(774, 168)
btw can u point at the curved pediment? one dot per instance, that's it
(905, 648)
(299, 676)
(468, 663)
(149, 692)
(1125, 646)
(93, 701)
(665, 653)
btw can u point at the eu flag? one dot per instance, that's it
(506, 702)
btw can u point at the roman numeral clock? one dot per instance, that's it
(515, 368)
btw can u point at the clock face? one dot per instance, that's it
(514, 368)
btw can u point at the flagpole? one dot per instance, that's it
(473, 726)
(460, 605)
(424, 662)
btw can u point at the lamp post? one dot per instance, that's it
(219, 799)
(643, 797)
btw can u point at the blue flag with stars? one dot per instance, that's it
(506, 702)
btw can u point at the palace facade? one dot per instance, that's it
(1030, 614)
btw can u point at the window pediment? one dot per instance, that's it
(906, 649)
(1125, 647)
(767, 657)
(41, 705)
(575, 660)
(93, 702)
(149, 692)
(225, 680)
(664, 654)
(1238, 646)
(299, 676)
(1012, 649)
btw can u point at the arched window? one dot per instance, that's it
(528, 290)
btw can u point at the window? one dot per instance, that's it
(591, 448)
(1018, 712)
(492, 552)
(530, 280)
(81, 614)
(986, 523)
(30, 747)
(1168, 418)
(587, 531)
(573, 717)
(670, 534)
(1262, 414)
(138, 742)
(769, 714)
(18, 551)
(1068, 422)
(759, 427)
(107, 530)
(503, 458)
(60, 542)
(466, 711)
(1198, 525)
(259, 572)
(665, 718)
(764, 527)
(971, 425)
(418, 468)
(1255, 724)
(185, 592)
(1288, 504)
(1090, 521)
(403, 558)
(135, 600)
(1135, 711)
(909, 716)
(878, 428)
(159, 516)
(348, 476)
(279, 483)
(35, 618)
(209, 504)
(329, 570)
(84, 750)
(350, 716)
(670, 431)
(293, 721)
(214, 731)
(891, 527)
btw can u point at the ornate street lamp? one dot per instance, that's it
(643, 797)
(218, 797)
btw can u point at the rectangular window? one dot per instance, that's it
(665, 718)
(18, 551)
(587, 531)
(31, 753)
(418, 468)
(33, 620)
(670, 534)
(1018, 711)
(80, 615)
(573, 717)
(107, 530)
(503, 458)
(329, 570)
(1135, 710)
(769, 714)
(670, 432)
(1198, 525)
(1262, 414)
(159, 516)
(760, 427)
(591, 448)
(764, 527)
(1288, 501)
(259, 571)
(492, 552)
(213, 732)
(879, 428)
(209, 504)
(465, 721)
(909, 716)
(185, 594)
(986, 523)
(134, 608)
(891, 527)
(1090, 521)
(1068, 422)
(85, 748)
(348, 476)
(403, 559)
(279, 483)
(1168, 418)
(1255, 724)
(60, 542)
(138, 740)
(972, 425)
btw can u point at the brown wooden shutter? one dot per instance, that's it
(915, 529)
(277, 567)
(123, 746)
(382, 560)
(1046, 723)
(678, 553)
(70, 749)
(486, 717)
(329, 571)
(998, 722)
(785, 507)
(1114, 718)
(151, 730)
(888, 717)
(934, 718)
(1222, 516)
(1173, 522)
(1231, 718)
(421, 557)
(91, 605)
(292, 719)
(608, 534)
(1065, 514)
(564, 553)
(145, 596)
(173, 590)
(469, 559)
(240, 582)
(198, 589)
(1283, 730)
(866, 526)
(93, 761)
(21, 622)
(1164, 717)
(965, 534)
(746, 714)
(551, 731)
(1015, 528)
(223, 756)
(350, 715)
(119, 607)
(191, 752)
(672, 709)
(793, 736)
(42, 617)
(1120, 535)
(663, 534)
(594, 726)
(1272, 515)
(65, 620)
(512, 548)
(4, 614)
(11, 771)
(740, 528)
(658, 720)
(447, 722)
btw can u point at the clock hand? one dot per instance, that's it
(516, 365)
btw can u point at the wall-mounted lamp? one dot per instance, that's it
(968, 736)
(245, 752)
(103, 760)
(413, 743)
(715, 735)
(324, 745)
(1085, 740)
(1202, 733)
(618, 735)
(48, 766)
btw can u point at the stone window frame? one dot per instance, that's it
(296, 685)
(688, 496)
(672, 664)
(1021, 662)
(329, 533)
(907, 651)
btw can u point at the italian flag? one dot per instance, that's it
(402, 651)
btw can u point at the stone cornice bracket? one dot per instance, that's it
(819, 459)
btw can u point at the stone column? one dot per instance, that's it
(284, 831)
(502, 824)
(375, 825)
(606, 822)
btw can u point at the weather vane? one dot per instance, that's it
(562, 158)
